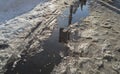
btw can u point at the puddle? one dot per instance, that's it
(74, 13)
(44, 62)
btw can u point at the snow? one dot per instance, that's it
(21, 15)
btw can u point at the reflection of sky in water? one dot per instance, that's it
(12, 8)
(79, 14)
(52, 48)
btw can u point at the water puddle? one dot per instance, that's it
(74, 13)
(44, 62)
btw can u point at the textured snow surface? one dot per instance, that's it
(20, 15)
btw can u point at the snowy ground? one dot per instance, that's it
(19, 20)
(18, 15)
(14, 33)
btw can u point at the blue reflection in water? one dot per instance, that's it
(78, 13)
(12, 8)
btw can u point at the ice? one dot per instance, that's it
(12, 8)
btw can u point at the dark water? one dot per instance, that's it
(44, 62)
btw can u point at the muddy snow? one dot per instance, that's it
(89, 31)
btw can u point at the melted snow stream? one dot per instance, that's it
(44, 62)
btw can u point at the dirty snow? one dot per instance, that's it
(19, 18)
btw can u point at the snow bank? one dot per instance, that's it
(11, 28)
